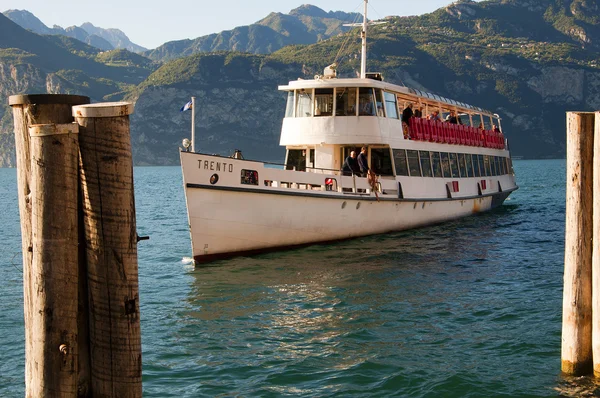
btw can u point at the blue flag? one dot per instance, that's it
(186, 107)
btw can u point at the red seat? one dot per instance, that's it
(462, 135)
(453, 133)
(468, 134)
(432, 130)
(425, 129)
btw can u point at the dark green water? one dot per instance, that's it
(470, 308)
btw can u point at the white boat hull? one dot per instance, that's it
(226, 220)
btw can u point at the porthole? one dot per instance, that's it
(358, 206)
(344, 205)
(214, 179)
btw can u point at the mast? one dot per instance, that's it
(363, 60)
(193, 124)
(363, 35)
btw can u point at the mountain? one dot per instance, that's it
(30, 63)
(304, 25)
(530, 61)
(104, 39)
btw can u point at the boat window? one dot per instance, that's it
(454, 165)
(296, 160)
(500, 168)
(303, 104)
(345, 99)
(378, 102)
(366, 103)
(469, 163)
(400, 162)
(493, 163)
(381, 161)
(480, 162)
(323, 102)
(503, 163)
(486, 165)
(249, 177)
(476, 171)
(391, 107)
(461, 165)
(289, 108)
(425, 163)
(445, 165)
(413, 163)
(436, 164)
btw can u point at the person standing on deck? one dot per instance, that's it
(363, 162)
(350, 166)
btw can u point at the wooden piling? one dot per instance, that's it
(54, 265)
(576, 351)
(29, 110)
(106, 177)
(596, 250)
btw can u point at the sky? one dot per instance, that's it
(150, 23)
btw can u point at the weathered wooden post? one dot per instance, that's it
(54, 265)
(596, 250)
(29, 110)
(577, 295)
(106, 177)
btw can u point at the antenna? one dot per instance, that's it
(363, 35)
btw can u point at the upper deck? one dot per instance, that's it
(356, 111)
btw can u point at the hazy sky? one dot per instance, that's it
(151, 23)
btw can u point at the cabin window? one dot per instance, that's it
(461, 165)
(323, 102)
(378, 102)
(493, 161)
(249, 177)
(469, 162)
(366, 102)
(485, 162)
(303, 104)
(454, 165)
(481, 165)
(413, 163)
(503, 163)
(345, 100)
(445, 165)
(436, 164)
(476, 170)
(391, 107)
(400, 162)
(381, 161)
(499, 166)
(289, 108)
(425, 163)
(296, 160)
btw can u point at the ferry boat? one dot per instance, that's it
(422, 171)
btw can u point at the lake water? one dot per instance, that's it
(470, 308)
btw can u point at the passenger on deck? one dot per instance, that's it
(407, 113)
(435, 116)
(451, 118)
(496, 129)
(481, 126)
(363, 162)
(351, 165)
(419, 112)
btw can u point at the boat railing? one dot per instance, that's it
(326, 181)
(457, 134)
